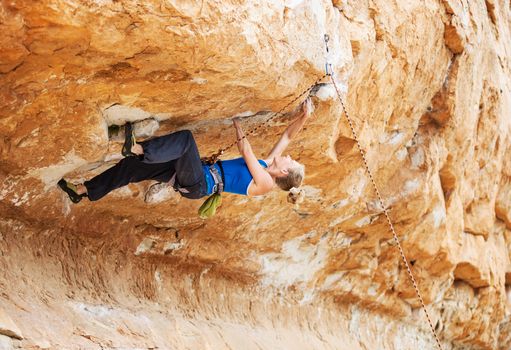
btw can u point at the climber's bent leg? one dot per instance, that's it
(181, 148)
(128, 170)
(189, 172)
(168, 147)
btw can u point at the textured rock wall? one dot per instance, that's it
(428, 86)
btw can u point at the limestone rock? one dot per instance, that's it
(8, 327)
(6, 343)
(427, 87)
(159, 192)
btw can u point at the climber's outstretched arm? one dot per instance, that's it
(291, 131)
(263, 181)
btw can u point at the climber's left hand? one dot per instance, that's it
(307, 107)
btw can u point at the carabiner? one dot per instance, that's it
(326, 38)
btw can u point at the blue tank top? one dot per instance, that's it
(236, 173)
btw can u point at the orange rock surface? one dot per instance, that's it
(428, 87)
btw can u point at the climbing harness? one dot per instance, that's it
(208, 208)
(218, 177)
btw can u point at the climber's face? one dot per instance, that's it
(284, 163)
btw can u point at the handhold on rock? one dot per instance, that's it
(316, 88)
(146, 245)
(295, 196)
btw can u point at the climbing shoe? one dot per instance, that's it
(71, 191)
(129, 140)
(208, 208)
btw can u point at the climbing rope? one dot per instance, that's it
(386, 212)
(214, 158)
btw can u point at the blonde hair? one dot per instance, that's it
(293, 178)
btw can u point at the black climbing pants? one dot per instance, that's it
(165, 156)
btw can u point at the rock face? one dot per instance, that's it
(428, 87)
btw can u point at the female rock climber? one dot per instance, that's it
(175, 158)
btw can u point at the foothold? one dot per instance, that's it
(144, 246)
(170, 247)
(142, 129)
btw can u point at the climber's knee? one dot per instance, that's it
(187, 134)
